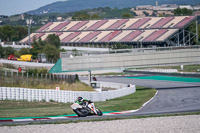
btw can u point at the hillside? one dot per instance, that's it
(76, 5)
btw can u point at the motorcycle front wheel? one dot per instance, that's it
(99, 113)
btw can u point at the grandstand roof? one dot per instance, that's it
(148, 29)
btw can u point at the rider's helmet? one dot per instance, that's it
(79, 99)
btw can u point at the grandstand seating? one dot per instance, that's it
(90, 36)
(25, 40)
(79, 25)
(110, 36)
(150, 23)
(100, 36)
(131, 36)
(167, 34)
(89, 24)
(155, 35)
(44, 37)
(162, 22)
(97, 25)
(80, 36)
(139, 23)
(60, 26)
(143, 35)
(71, 24)
(107, 24)
(117, 24)
(44, 27)
(121, 35)
(147, 29)
(65, 34)
(70, 37)
(37, 36)
(184, 22)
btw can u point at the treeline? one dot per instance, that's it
(10, 33)
(50, 47)
(88, 14)
(102, 13)
(182, 11)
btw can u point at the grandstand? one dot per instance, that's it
(160, 31)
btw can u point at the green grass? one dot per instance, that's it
(32, 109)
(168, 78)
(11, 109)
(112, 74)
(187, 68)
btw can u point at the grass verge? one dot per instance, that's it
(11, 109)
(122, 74)
(187, 68)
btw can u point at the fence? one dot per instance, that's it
(30, 79)
(11, 93)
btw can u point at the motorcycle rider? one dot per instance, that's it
(85, 109)
(82, 102)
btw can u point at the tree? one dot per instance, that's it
(50, 47)
(192, 28)
(81, 16)
(182, 11)
(20, 33)
(7, 51)
(51, 52)
(120, 46)
(1, 51)
(10, 33)
(52, 18)
(17, 54)
(37, 47)
(145, 13)
(24, 51)
(7, 33)
(127, 15)
(76, 53)
(53, 39)
(95, 16)
(1, 34)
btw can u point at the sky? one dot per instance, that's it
(12, 7)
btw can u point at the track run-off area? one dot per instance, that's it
(174, 95)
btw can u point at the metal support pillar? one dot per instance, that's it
(29, 38)
(29, 22)
(178, 40)
(183, 38)
(197, 38)
(89, 77)
(189, 39)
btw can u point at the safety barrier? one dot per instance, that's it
(156, 70)
(12, 93)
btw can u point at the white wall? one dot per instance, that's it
(12, 93)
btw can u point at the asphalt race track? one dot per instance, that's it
(172, 97)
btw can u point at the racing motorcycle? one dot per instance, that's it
(86, 110)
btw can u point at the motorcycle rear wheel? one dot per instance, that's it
(81, 112)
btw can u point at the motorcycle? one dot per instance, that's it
(86, 110)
